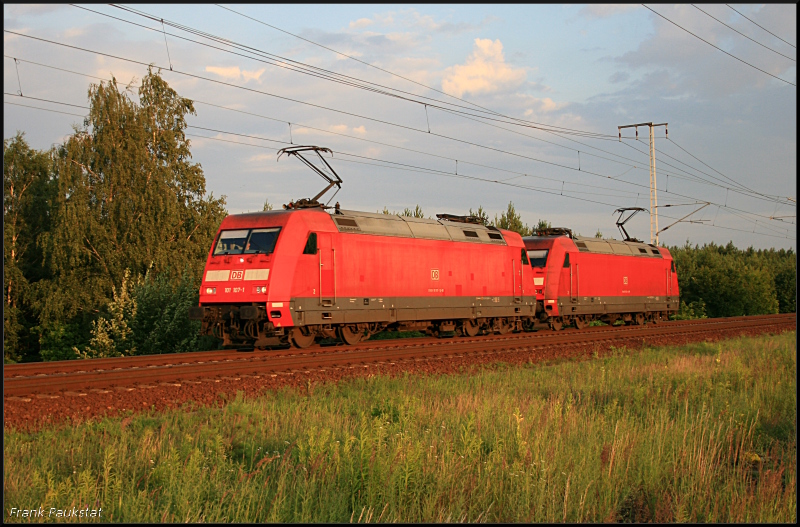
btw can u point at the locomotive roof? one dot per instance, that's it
(602, 246)
(597, 245)
(410, 227)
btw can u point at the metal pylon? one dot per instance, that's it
(653, 195)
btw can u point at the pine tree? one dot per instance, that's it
(511, 220)
(480, 214)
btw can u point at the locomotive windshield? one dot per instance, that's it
(247, 241)
(538, 258)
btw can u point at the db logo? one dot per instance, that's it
(237, 275)
(434, 274)
(624, 279)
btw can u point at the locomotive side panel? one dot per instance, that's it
(613, 283)
(390, 279)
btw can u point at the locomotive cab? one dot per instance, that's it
(545, 254)
(240, 298)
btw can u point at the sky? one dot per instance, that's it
(452, 107)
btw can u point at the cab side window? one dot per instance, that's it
(566, 260)
(525, 260)
(311, 244)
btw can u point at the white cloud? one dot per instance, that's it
(541, 106)
(361, 22)
(233, 72)
(74, 32)
(484, 72)
(253, 75)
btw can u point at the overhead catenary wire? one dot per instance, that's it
(40, 108)
(720, 49)
(771, 199)
(745, 36)
(690, 177)
(762, 27)
(742, 190)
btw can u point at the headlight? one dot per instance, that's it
(211, 290)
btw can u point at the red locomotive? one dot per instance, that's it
(296, 275)
(578, 280)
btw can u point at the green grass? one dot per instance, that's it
(704, 432)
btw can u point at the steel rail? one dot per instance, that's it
(364, 356)
(151, 361)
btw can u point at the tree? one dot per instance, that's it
(543, 224)
(480, 214)
(786, 282)
(27, 191)
(128, 197)
(733, 282)
(267, 205)
(416, 213)
(511, 220)
(598, 234)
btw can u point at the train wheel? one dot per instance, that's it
(470, 328)
(580, 322)
(556, 324)
(301, 337)
(349, 334)
(503, 326)
(638, 319)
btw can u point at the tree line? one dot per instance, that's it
(105, 238)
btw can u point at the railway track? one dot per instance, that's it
(130, 373)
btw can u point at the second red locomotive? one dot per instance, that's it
(578, 280)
